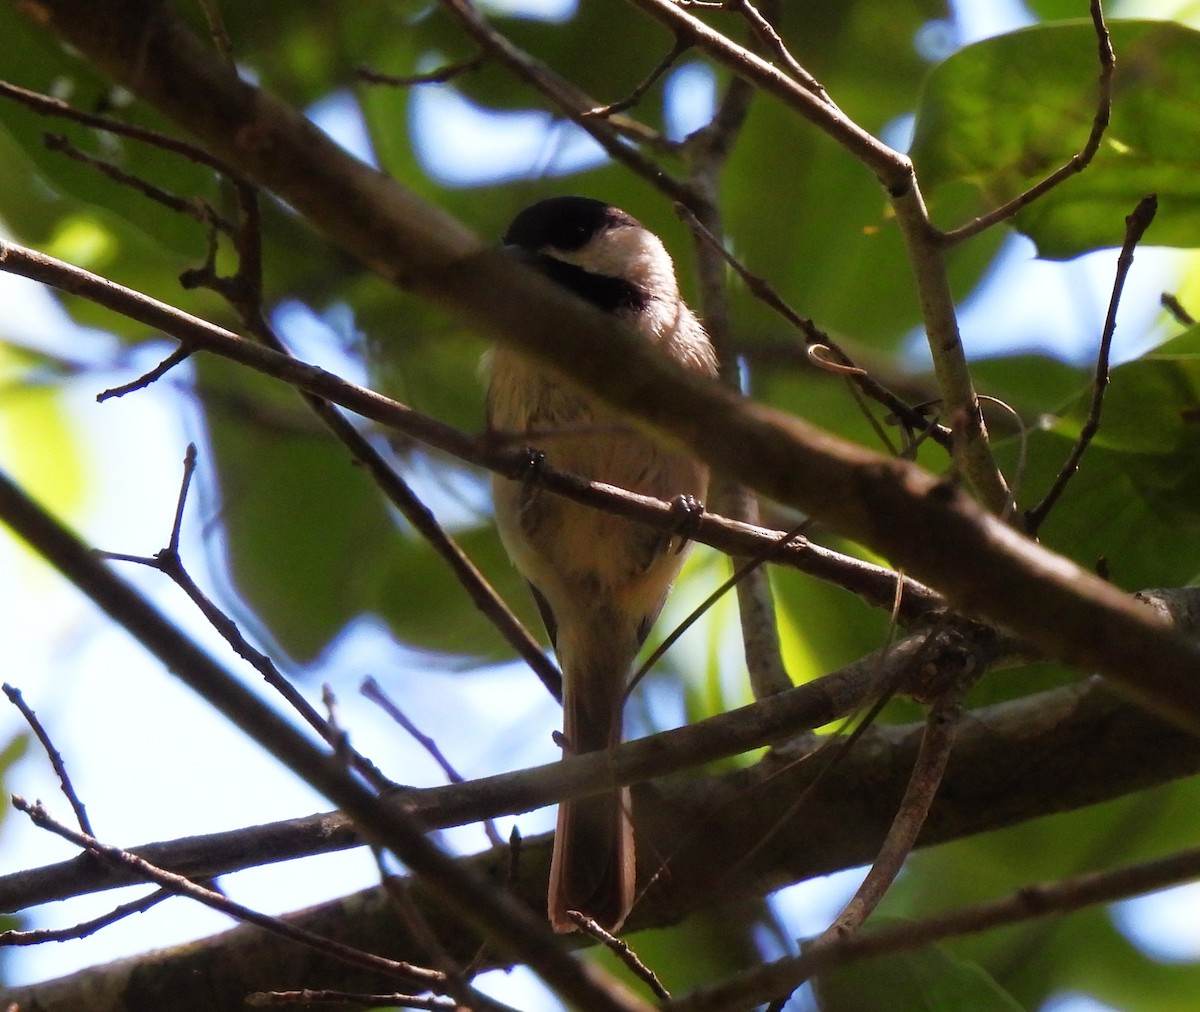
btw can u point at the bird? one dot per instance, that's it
(599, 580)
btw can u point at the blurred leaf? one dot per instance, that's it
(12, 752)
(1081, 951)
(1054, 10)
(313, 544)
(1026, 383)
(1005, 112)
(821, 232)
(706, 947)
(1150, 429)
(925, 980)
(823, 627)
(39, 444)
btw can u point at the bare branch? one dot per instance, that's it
(374, 692)
(818, 341)
(769, 721)
(310, 996)
(678, 48)
(192, 207)
(889, 505)
(48, 106)
(179, 355)
(217, 29)
(1173, 306)
(515, 927)
(440, 76)
(1013, 761)
(85, 928)
(184, 887)
(55, 757)
(169, 562)
(910, 818)
(574, 104)
(1043, 899)
(622, 951)
(1136, 224)
(971, 448)
(774, 44)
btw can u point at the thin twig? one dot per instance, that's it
(910, 816)
(85, 928)
(217, 29)
(1022, 450)
(775, 44)
(48, 106)
(308, 996)
(757, 612)
(179, 355)
(815, 338)
(439, 76)
(678, 48)
(1173, 306)
(192, 207)
(622, 951)
(1030, 902)
(1077, 163)
(339, 737)
(896, 664)
(1135, 227)
(169, 562)
(892, 168)
(184, 887)
(431, 946)
(609, 132)
(747, 566)
(56, 759)
(374, 692)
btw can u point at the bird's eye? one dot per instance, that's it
(573, 235)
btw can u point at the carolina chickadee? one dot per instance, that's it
(599, 580)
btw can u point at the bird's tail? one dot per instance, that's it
(592, 870)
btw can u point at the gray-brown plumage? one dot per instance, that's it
(599, 580)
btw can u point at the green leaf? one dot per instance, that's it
(1002, 114)
(39, 441)
(807, 217)
(927, 980)
(312, 544)
(1150, 428)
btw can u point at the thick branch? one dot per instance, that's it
(874, 584)
(971, 448)
(1012, 762)
(766, 722)
(472, 899)
(930, 529)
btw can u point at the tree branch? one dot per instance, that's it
(874, 584)
(900, 511)
(1012, 762)
(513, 928)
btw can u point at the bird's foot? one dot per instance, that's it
(687, 512)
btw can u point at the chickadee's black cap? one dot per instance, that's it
(565, 223)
